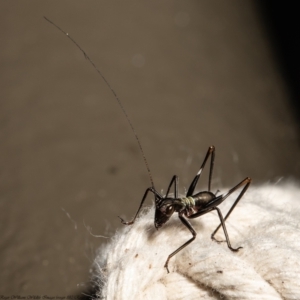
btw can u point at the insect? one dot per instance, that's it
(193, 204)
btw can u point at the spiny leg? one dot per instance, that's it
(210, 151)
(225, 230)
(192, 230)
(175, 181)
(152, 190)
(245, 182)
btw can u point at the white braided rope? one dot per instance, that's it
(266, 223)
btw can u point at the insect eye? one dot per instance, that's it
(170, 209)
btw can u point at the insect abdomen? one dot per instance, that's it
(202, 198)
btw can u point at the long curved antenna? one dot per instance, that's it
(114, 93)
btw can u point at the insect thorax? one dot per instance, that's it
(188, 202)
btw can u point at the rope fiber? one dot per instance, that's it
(265, 223)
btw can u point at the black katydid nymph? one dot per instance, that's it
(193, 204)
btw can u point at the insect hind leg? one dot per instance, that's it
(246, 182)
(210, 152)
(225, 230)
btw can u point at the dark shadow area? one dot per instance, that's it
(281, 21)
(88, 294)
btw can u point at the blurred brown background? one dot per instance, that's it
(190, 74)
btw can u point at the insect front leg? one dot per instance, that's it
(192, 230)
(152, 190)
(175, 181)
(210, 151)
(245, 182)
